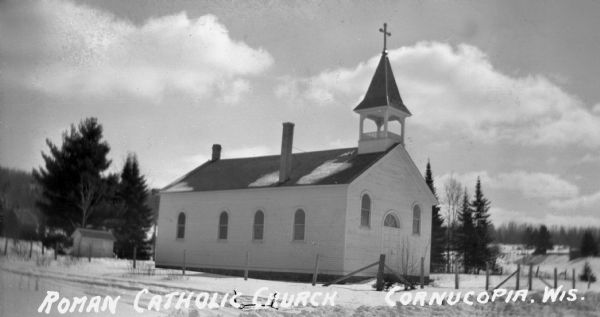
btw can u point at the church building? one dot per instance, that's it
(274, 214)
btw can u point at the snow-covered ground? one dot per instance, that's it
(25, 282)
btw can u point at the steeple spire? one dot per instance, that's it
(383, 106)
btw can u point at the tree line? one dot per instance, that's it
(464, 233)
(517, 233)
(73, 189)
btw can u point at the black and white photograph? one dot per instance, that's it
(299, 158)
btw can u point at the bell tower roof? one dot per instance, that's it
(383, 107)
(383, 90)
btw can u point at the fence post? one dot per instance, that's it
(487, 276)
(315, 271)
(90, 253)
(573, 278)
(455, 275)
(518, 277)
(134, 255)
(5, 245)
(246, 267)
(183, 267)
(379, 283)
(555, 277)
(30, 248)
(530, 277)
(422, 272)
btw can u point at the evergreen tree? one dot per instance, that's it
(480, 206)
(465, 243)
(438, 235)
(73, 188)
(587, 275)
(529, 237)
(136, 216)
(542, 240)
(589, 246)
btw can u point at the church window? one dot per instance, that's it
(365, 211)
(181, 226)
(299, 224)
(391, 221)
(259, 225)
(223, 223)
(416, 220)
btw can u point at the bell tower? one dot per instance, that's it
(383, 106)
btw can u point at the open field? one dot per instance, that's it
(25, 283)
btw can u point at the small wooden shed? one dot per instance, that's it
(92, 243)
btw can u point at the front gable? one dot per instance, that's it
(415, 177)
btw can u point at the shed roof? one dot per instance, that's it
(96, 234)
(329, 167)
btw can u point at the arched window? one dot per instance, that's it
(416, 219)
(223, 222)
(181, 226)
(299, 224)
(259, 225)
(391, 221)
(365, 211)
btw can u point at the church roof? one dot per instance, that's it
(339, 166)
(379, 91)
(95, 234)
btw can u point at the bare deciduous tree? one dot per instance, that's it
(453, 191)
(91, 192)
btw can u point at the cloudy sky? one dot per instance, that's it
(503, 90)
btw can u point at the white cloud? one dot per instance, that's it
(251, 151)
(458, 89)
(233, 93)
(80, 49)
(591, 201)
(589, 158)
(529, 184)
(500, 215)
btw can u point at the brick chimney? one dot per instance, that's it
(285, 164)
(216, 152)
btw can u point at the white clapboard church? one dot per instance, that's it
(274, 214)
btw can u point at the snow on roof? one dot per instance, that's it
(96, 234)
(339, 166)
(179, 187)
(328, 168)
(266, 180)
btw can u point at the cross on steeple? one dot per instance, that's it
(385, 35)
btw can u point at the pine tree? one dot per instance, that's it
(589, 246)
(480, 206)
(465, 243)
(542, 240)
(438, 235)
(72, 185)
(135, 215)
(529, 237)
(587, 275)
